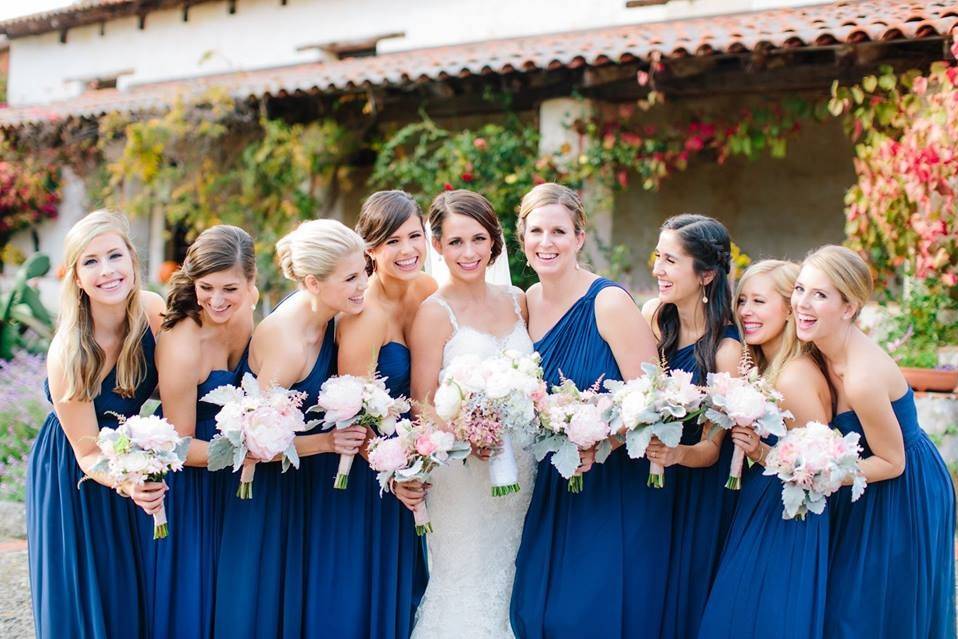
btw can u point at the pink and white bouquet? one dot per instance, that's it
(654, 405)
(255, 425)
(411, 455)
(486, 401)
(570, 421)
(748, 401)
(347, 401)
(813, 462)
(139, 450)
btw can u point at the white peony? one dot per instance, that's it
(265, 438)
(448, 401)
(152, 433)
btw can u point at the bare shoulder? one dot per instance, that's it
(180, 344)
(649, 309)
(423, 286)
(800, 375)
(154, 306)
(614, 299)
(373, 321)
(728, 355)
(431, 312)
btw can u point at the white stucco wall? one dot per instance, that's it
(263, 33)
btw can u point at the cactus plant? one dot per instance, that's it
(25, 323)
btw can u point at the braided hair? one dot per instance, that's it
(707, 241)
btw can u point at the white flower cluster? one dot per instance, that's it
(813, 462)
(347, 400)
(140, 449)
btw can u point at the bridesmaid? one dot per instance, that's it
(772, 572)
(692, 319)
(891, 566)
(589, 564)
(391, 224)
(202, 345)
(267, 580)
(84, 553)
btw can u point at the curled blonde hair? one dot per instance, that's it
(783, 274)
(315, 248)
(847, 272)
(83, 366)
(547, 194)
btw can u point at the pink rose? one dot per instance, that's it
(425, 445)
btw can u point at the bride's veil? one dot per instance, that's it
(498, 273)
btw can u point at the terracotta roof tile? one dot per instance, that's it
(821, 25)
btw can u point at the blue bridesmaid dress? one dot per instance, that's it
(891, 572)
(195, 505)
(773, 572)
(591, 564)
(262, 573)
(397, 562)
(364, 573)
(701, 519)
(84, 552)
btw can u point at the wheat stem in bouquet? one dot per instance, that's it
(748, 401)
(348, 400)
(813, 462)
(571, 421)
(416, 449)
(139, 450)
(486, 401)
(255, 425)
(653, 405)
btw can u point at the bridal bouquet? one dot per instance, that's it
(485, 400)
(572, 420)
(416, 450)
(743, 401)
(813, 462)
(139, 450)
(655, 404)
(256, 424)
(347, 401)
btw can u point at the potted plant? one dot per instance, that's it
(920, 334)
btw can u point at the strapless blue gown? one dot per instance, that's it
(773, 572)
(891, 572)
(182, 581)
(700, 522)
(85, 557)
(591, 564)
(262, 574)
(364, 572)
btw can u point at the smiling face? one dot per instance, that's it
(402, 254)
(674, 270)
(344, 290)
(222, 293)
(550, 241)
(762, 311)
(104, 270)
(820, 310)
(466, 247)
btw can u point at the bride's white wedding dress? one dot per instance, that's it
(475, 538)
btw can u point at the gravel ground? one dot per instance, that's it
(16, 618)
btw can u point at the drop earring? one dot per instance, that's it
(705, 298)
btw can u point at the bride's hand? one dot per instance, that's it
(482, 453)
(410, 493)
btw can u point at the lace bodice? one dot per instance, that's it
(476, 536)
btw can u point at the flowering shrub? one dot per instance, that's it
(23, 407)
(28, 195)
(901, 213)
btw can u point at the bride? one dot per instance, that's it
(476, 536)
